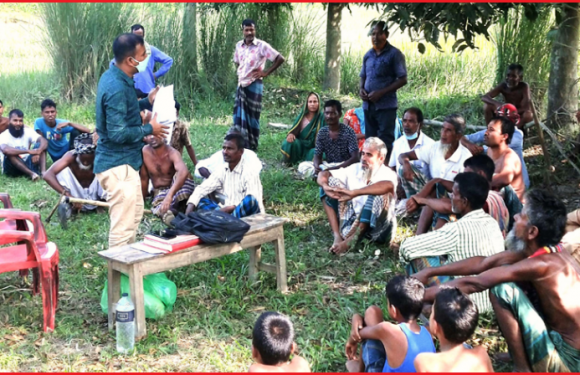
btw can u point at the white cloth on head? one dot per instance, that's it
(438, 166)
(217, 160)
(353, 178)
(401, 146)
(94, 192)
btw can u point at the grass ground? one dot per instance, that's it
(210, 326)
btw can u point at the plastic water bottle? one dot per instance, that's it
(125, 325)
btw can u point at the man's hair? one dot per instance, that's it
(406, 294)
(1, 103)
(47, 103)
(273, 337)
(546, 212)
(473, 187)
(382, 26)
(457, 121)
(177, 105)
(507, 127)
(125, 45)
(136, 27)
(481, 162)
(456, 314)
(333, 103)
(517, 67)
(417, 112)
(377, 144)
(16, 112)
(248, 22)
(237, 138)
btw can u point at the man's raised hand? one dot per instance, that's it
(159, 130)
(152, 95)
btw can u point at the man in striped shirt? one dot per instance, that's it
(475, 234)
(236, 180)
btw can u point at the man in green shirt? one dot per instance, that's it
(118, 156)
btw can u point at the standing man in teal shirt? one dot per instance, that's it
(118, 156)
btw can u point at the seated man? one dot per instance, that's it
(412, 140)
(475, 234)
(73, 174)
(517, 143)
(54, 130)
(15, 144)
(508, 168)
(204, 168)
(273, 345)
(445, 159)
(390, 347)
(453, 321)
(172, 183)
(336, 141)
(534, 288)
(494, 204)
(3, 120)
(367, 189)
(514, 91)
(180, 137)
(237, 181)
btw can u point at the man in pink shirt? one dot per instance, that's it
(250, 58)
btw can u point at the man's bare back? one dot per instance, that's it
(160, 165)
(459, 359)
(508, 171)
(297, 364)
(558, 291)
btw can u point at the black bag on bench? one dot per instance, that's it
(212, 226)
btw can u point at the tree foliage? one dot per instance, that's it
(429, 21)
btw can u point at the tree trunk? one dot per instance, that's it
(563, 87)
(333, 48)
(189, 39)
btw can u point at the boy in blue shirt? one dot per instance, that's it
(390, 347)
(54, 130)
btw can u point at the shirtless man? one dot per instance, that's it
(172, 182)
(514, 91)
(542, 325)
(73, 176)
(508, 167)
(3, 120)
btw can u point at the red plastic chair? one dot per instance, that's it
(8, 224)
(34, 251)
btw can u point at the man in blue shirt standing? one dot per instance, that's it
(383, 73)
(145, 80)
(54, 130)
(118, 156)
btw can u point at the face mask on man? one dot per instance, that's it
(412, 136)
(141, 65)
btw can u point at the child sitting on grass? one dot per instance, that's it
(273, 344)
(453, 320)
(390, 347)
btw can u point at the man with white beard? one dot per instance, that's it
(73, 175)
(365, 192)
(475, 234)
(445, 159)
(534, 288)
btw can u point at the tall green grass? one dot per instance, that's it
(526, 42)
(79, 38)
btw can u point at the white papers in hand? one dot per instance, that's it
(164, 106)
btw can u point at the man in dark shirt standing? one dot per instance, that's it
(383, 73)
(118, 156)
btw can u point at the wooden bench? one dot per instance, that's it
(136, 264)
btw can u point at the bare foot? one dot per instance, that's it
(34, 177)
(337, 240)
(355, 365)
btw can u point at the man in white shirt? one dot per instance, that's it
(204, 168)
(236, 181)
(445, 159)
(412, 140)
(366, 192)
(15, 144)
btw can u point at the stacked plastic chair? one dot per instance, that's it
(31, 251)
